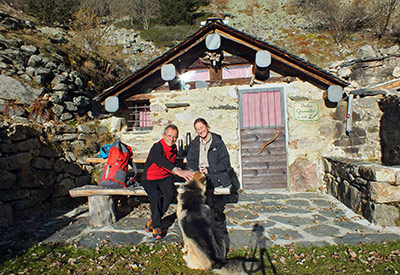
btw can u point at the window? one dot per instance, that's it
(261, 109)
(195, 75)
(241, 71)
(140, 116)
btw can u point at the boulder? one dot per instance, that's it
(29, 144)
(82, 180)
(11, 89)
(7, 179)
(366, 52)
(396, 72)
(8, 148)
(66, 116)
(59, 165)
(16, 132)
(41, 163)
(15, 194)
(85, 129)
(73, 169)
(81, 101)
(70, 106)
(62, 188)
(34, 61)
(30, 49)
(57, 109)
(6, 215)
(48, 152)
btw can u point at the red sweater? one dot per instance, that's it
(160, 161)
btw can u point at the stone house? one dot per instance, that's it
(250, 92)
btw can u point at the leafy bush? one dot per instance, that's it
(168, 36)
(177, 12)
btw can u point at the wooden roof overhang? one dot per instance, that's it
(232, 41)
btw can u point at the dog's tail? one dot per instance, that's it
(239, 266)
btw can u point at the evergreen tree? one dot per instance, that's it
(175, 12)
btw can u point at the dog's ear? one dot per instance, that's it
(200, 177)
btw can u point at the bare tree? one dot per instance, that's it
(385, 10)
(143, 11)
(139, 11)
(99, 7)
(340, 17)
(89, 29)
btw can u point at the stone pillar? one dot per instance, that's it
(101, 211)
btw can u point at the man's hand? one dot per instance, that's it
(187, 175)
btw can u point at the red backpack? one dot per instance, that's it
(116, 168)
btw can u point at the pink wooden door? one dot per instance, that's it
(261, 116)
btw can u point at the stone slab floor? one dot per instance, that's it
(284, 218)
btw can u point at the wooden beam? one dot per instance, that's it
(138, 97)
(260, 73)
(158, 67)
(277, 58)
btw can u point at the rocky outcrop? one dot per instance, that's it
(137, 50)
(369, 66)
(63, 93)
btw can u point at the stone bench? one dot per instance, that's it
(101, 203)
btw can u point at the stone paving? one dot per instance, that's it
(287, 218)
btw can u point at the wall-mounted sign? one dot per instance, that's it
(306, 111)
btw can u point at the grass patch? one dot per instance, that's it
(160, 258)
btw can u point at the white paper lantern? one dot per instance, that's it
(168, 72)
(112, 104)
(335, 93)
(213, 41)
(263, 59)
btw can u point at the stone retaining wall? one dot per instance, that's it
(369, 189)
(39, 164)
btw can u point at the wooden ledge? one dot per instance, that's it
(101, 160)
(95, 190)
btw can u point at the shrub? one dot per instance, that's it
(178, 12)
(168, 36)
(339, 17)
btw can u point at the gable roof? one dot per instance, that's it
(233, 41)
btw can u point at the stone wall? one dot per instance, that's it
(325, 134)
(371, 190)
(39, 164)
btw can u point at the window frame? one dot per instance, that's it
(136, 121)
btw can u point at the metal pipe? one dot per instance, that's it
(349, 113)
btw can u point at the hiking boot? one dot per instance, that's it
(157, 233)
(148, 227)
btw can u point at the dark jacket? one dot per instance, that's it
(218, 156)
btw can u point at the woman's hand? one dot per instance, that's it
(204, 170)
(187, 175)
